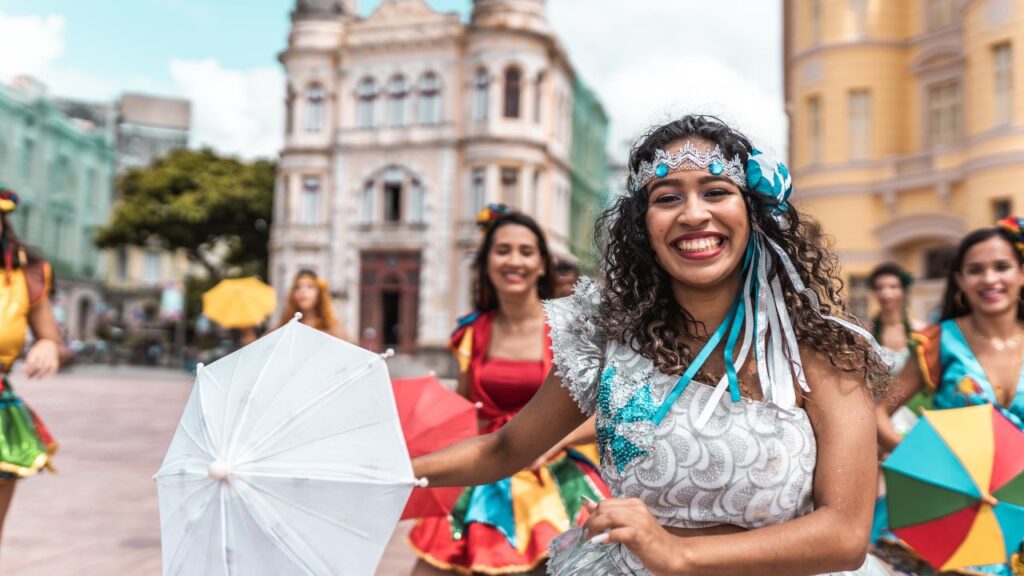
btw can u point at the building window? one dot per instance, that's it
(417, 203)
(944, 113)
(122, 263)
(814, 15)
(478, 190)
(937, 262)
(513, 91)
(430, 99)
(366, 207)
(481, 94)
(1002, 65)
(510, 186)
(538, 99)
(859, 290)
(366, 103)
(397, 98)
(1001, 208)
(314, 108)
(28, 152)
(860, 124)
(289, 112)
(859, 17)
(393, 179)
(940, 14)
(151, 267)
(814, 129)
(309, 213)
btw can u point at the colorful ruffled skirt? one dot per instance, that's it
(25, 443)
(506, 527)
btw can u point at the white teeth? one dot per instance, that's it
(701, 245)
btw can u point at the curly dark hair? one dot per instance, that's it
(639, 307)
(485, 297)
(953, 303)
(891, 269)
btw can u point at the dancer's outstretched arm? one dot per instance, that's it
(907, 383)
(548, 418)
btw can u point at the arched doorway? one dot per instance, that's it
(389, 300)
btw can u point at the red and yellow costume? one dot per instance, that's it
(505, 527)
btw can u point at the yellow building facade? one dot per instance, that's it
(906, 128)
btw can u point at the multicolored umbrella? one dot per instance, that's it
(955, 487)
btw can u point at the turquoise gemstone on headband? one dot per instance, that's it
(716, 167)
(661, 171)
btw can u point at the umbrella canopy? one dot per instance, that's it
(239, 302)
(288, 459)
(955, 487)
(432, 418)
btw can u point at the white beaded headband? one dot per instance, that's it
(688, 157)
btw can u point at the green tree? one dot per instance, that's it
(216, 208)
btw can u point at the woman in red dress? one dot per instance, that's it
(504, 355)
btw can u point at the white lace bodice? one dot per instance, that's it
(751, 465)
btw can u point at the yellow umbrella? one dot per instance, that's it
(239, 302)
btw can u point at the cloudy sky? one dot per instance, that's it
(647, 59)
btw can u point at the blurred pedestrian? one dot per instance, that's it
(566, 275)
(975, 354)
(504, 355)
(892, 327)
(25, 444)
(310, 296)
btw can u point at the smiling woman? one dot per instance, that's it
(777, 478)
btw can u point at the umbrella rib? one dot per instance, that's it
(224, 532)
(310, 441)
(289, 551)
(349, 479)
(181, 547)
(314, 513)
(278, 392)
(202, 410)
(240, 421)
(182, 503)
(191, 436)
(302, 411)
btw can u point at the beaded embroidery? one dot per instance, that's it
(624, 423)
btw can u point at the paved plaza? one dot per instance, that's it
(99, 516)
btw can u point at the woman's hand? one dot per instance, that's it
(42, 360)
(628, 521)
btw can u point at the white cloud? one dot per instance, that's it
(653, 60)
(233, 111)
(29, 44)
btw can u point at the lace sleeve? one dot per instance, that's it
(577, 343)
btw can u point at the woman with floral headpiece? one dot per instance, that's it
(25, 443)
(310, 296)
(504, 354)
(975, 354)
(734, 408)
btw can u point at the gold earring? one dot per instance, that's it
(960, 299)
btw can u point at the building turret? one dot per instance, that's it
(528, 15)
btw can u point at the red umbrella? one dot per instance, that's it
(432, 418)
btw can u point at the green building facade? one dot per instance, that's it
(589, 160)
(63, 171)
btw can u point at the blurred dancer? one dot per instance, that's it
(25, 443)
(310, 296)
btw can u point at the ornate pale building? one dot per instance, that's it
(906, 127)
(400, 128)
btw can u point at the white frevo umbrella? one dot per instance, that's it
(289, 459)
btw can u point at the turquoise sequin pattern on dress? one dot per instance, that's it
(625, 417)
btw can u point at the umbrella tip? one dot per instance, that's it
(432, 374)
(200, 366)
(479, 405)
(297, 317)
(219, 471)
(422, 482)
(390, 352)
